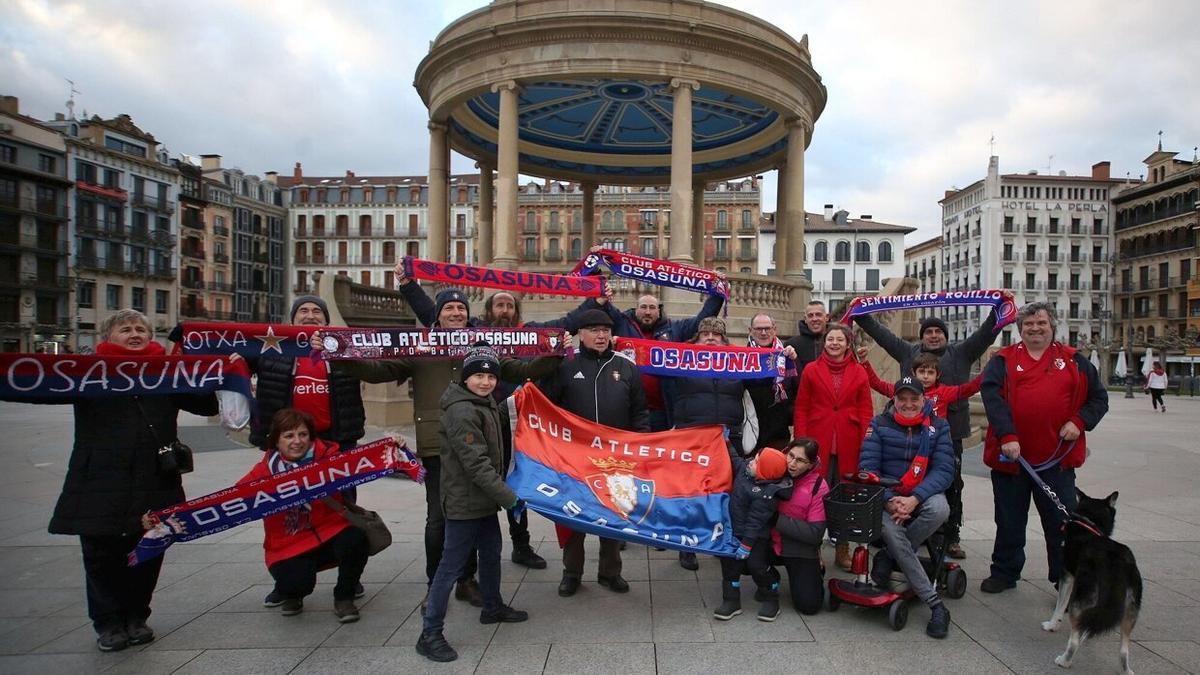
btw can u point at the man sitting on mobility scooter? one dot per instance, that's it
(909, 445)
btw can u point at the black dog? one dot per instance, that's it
(1101, 587)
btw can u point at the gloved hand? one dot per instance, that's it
(517, 508)
(743, 551)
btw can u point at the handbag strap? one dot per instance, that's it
(340, 507)
(153, 431)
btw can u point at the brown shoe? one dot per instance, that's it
(842, 555)
(956, 551)
(467, 590)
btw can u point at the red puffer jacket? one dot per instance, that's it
(296, 530)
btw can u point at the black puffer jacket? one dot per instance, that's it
(604, 387)
(112, 475)
(754, 503)
(774, 417)
(696, 401)
(276, 380)
(808, 347)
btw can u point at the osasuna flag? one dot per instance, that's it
(1000, 300)
(668, 489)
(677, 359)
(655, 271)
(251, 340)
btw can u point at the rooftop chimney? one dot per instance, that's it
(349, 174)
(272, 177)
(948, 193)
(828, 212)
(1100, 170)
(297, 173)
(865, 216)
(10, 105)
(210, 162)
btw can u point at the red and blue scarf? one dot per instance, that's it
(292, 487)
(999, 300)
(440, 343)
(250, 340)
(676, 359)
(655, 271)
(509, 280)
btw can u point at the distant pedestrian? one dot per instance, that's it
(1156, 384)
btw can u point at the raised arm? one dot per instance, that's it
(977, 343)
(416, 297)
(960, 392)
(886, 388)
(897, 348)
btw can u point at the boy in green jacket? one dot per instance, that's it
(472, 491)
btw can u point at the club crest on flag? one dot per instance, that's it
(553, 341)
(628, 495)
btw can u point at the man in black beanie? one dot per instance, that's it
(954, 365)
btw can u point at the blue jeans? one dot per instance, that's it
(463, 537)
(903, 541)
(1011, 493)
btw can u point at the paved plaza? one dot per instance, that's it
(209, 617)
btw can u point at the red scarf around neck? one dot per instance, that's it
(152, 348)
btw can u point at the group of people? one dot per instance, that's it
(791, 438)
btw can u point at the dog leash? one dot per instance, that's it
(1052, 496)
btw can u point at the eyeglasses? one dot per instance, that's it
(798, 460)
(763, 328)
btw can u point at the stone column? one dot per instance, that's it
(439, 193)
(589, 217)
(483, 250)
(795, 200)
(781, 228)
(505, 242)
(698, 223)
(681, 170)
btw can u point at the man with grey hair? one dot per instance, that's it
(773, 404)
(1041, 396)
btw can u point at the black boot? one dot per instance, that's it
(525, 556)
(731, 601)
(688, 561)
(434, 647)
(769, 609)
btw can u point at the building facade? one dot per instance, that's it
(921, 263)
(360, 227)
(124, 223)
(1044, 237)
(638, 220)
(844, 257)
(1156, 246)
(206, 289)
(34, 270)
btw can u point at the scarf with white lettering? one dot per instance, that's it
(509, 280)
(440, 343)
(251, 340)
(655, 271)
(282, 491)
(787, 367)
(1000, 300)
(62, 378)
(675, 359)
(297, 517)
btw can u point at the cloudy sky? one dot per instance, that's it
(916, 89)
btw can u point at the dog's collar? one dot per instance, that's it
(1086, 524)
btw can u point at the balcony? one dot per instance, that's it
(153, 271)
(99, 229)
(55, 324)
(721, 256)
(158, 238)
(553, 229)
(191, 218)
(55, 283)
(461, 231)
(526, 229)
(152, 202)
(1054, 257)
(33, 206)
(192, 252)
(220, 231)
(553, 256)
(1010, 258)
(648, 226)
(221, 258)
(100, 264)
(1077, 232)
(746, 228)
(530, 256)
(747, 255)
(1079, 259)
(262, 258)
(219, 287)
(194, 284)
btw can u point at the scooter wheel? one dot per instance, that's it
(956, 583)
(897, 614)
(832, 601)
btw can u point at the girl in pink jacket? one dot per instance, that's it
(801, 526)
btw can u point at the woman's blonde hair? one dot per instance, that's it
(122, 316)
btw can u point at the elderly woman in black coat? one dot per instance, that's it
(113, 478)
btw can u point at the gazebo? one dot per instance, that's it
(620, 92)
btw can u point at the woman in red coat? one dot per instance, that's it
(834, 407)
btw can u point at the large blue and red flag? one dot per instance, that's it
(668, 489)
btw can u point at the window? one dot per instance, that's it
(839, 280)
(8, 154)
(576, 248)
(138, 301)
(1008, 223)
(722, 220)
(112, 297)
(47, 163)
(872, 279)
(531, 252)
(648, 247)
(1031, 224)
(746, 222)
(863, 251)
(841, 252)
(125, 147)
(530, 221)
(885, 251)
(1007, 282)
(161, 300)
(821, 252)
(85, 294)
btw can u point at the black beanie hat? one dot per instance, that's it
(301, 299)
(450, 295)
(934, 322)
(481, 359)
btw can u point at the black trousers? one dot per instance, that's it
(954, 497)
(297, 577)
(117, 593)
(610, 556)
(1156, 398)
(805, 582)
(435, 523)
(758, 565)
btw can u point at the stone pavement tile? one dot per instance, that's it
(679, 613)
(374, 629)
(32, 532)
(1163, 594)
(203, 551)
(1184, 654)
(389, 660)
(401, 598)
(32, 633)
(862, 625)
(789, 627)
(32, 557)
(1162, 560)
(461, 625)
(36, 602)
(502, 659)
(637, 657)
(153, 663)
(763, 658)
(251, 599)
(920, 654)
(668, 569)
(593, 615)
(1188, 587)
(40, 664)
(83, 638)
(389, 563)
(1167, 623)
(1016, 614)
(248, 661)
(251, 630)
(551, 552)
(1099, 655)
(209, 587)
(64, 572)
